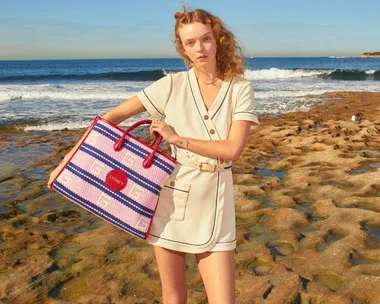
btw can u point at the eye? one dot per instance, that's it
(207, 38)
(190, 43)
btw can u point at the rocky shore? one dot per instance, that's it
(370, 55)
(307, 191)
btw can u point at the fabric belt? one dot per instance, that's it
(202, 166)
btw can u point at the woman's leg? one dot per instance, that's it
(218, 274)
(172, 269)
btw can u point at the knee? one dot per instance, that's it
(175, 297)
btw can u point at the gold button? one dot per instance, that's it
(205, 117)
(222, 161)
(172, 183)
(212, 131)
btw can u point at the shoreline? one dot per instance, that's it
(315, 101)
(307, 196)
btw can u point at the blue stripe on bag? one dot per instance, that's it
(120, 197)
(145, 152)
(137, 178)
(95, 209)
(136, 149)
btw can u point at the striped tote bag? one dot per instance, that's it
(116, 176)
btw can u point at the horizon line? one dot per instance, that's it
(145, 58)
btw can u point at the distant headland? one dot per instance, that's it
(372, 55)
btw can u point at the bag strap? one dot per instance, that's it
(119, 144)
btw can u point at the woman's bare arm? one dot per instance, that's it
(229, 149)
(117, 115)
(125, 110)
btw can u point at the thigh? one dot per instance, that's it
(172, 269)
(218, 274)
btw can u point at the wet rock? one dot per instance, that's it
(306, 193)
(282, 200)
(247, 205)
(254, 191)
(70, 214)
(34, 275)
(362, 288)
(251, 289)
(285, 219)
(245, 179)
(323, 208)
(367, 203)
(8, 214)
(319, 294)
(287, 242)
(272, 183)
(286, 286)
(50, 217)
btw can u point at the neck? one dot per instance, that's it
(207, 75)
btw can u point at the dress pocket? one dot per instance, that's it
(173, 200)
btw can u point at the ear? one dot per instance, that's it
(184, 51)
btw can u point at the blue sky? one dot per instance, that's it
(139, 29)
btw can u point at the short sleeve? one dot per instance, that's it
(244, 107)
(155, 97)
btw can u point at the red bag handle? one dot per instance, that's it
(119, 144)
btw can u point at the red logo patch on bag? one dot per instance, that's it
(116, 180)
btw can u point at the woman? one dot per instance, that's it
(208, 111)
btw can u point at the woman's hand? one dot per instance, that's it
(165, 130)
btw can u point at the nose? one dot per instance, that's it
(199, 46)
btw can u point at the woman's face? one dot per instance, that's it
(199, 43)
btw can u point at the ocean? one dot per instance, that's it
(58, 94)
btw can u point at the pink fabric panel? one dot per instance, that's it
(92, 194)
(163, 158)
(144, 196)
(132, 161)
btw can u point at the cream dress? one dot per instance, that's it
(195, 211)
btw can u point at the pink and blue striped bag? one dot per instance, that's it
(116, 176)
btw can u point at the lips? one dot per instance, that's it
(202, 57)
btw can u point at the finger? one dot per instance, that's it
(151, 131)
(156, 128)
(155, 136)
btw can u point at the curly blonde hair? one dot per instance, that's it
(228, 55)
